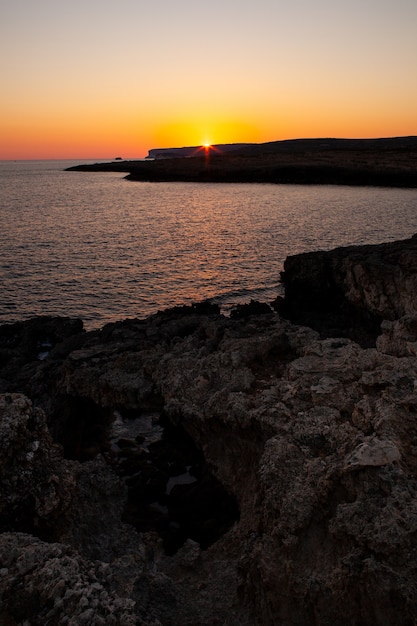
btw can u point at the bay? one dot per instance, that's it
(96, 246)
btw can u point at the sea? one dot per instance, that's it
(97, 246)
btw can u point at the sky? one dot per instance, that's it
(106, 78)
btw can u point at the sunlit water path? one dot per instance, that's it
(95, 246)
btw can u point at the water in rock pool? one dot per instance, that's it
(171, 489)
(95, 246)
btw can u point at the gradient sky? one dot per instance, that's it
(103, 78)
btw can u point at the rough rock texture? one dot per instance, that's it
(60, 500)
(350, 290)
(50, 583)
(313, 438)
(23, 344)
(36, 485)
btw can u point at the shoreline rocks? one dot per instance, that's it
(311, 436)
(350, 291)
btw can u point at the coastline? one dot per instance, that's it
(381, 163)
(196, 469)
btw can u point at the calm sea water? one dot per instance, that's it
(95, 246)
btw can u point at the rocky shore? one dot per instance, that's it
(195, 469)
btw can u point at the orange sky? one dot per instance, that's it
(101, 79)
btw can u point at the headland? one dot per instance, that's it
(389, 162)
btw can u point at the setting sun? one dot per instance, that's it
(92, 99)
(208, 312)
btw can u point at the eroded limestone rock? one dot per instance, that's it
(314, 438)
(350, 291)
(373, 453)
(36, 485)
(49, 583)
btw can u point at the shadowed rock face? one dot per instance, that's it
(171, 489)
(36, 486)
(349, 291)
(312, 440)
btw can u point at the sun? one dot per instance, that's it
(206, 145)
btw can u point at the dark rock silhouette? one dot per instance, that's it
(175, 153)
(390, 162)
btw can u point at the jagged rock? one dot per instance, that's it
(349, 291)
(399, 337)
(49, 583)
(373, 452)
(251, 308)
(36, 485)
(79, 505)
(24, 344)
(314, 439)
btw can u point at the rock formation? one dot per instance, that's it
(197, 469)
(352, 290)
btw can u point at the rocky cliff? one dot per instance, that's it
(179, 153)
(197, 469)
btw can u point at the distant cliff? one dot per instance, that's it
(288, 146)
(176, 153)
(390, 162)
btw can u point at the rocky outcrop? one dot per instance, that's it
(349, 291)
(49, 583)
(24, 344)
(197, 469)
(36, 485)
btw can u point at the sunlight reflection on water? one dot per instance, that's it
(101, 248)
